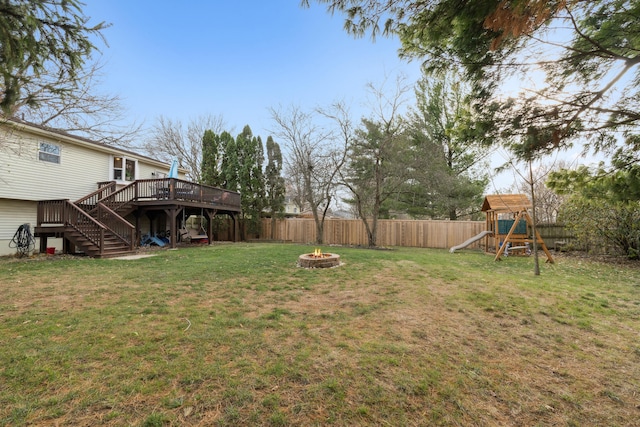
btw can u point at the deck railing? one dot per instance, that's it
(51, 212)
(64, 212)
(170, 189)
(121, 199)
(177, 189)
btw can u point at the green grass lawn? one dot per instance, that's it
(236, 334)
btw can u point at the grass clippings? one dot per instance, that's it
(239, 335)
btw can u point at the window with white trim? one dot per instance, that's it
(48, 152)
(124, 169)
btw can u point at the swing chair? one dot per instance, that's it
(183, 233)
(194, 234)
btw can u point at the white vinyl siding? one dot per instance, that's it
(14, 213)
(147, 171)
(28, 175)
(24, 176)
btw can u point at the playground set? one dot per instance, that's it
(509, 227)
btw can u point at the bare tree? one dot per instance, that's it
(171, 139)
(49, 75)
(75, 106)
(548, 202)
(531, 182)
(312, 159)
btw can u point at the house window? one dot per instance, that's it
(124, 169)
(49, 152)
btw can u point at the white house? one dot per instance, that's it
(37, 163)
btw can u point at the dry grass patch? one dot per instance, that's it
(238, 335)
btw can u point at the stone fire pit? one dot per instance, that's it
(318, 260)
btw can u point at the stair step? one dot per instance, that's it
(114, 242)
(112, 245)
(115, 254)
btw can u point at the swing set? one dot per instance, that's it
(511, 226)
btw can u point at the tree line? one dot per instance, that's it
(414, 161)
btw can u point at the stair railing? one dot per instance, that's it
(120, 227)
(84, 224)
(118, 200)
(90, 201)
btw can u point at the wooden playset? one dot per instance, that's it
(509, 226)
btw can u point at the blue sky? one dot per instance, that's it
(236, 58)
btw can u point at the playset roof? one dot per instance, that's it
(506, 203)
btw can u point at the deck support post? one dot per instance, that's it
(211, 214)
(43, 244)
(138, 238)
(67, 246)
(172, 214)
(236, 229)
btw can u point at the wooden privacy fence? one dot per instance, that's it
(552, 234)
(393, 232)
(555, 231)
(414, 233)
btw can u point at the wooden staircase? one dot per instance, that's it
(88, 224)
(111, 246)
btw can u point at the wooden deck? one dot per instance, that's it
(108, 221)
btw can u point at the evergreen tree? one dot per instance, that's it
(588, 51)
(250, 157)
(229, 165)
(41, 37)
(451, 169)
(602, 209)
(211, 159)
(274, 183)
(377, 168)
(219, 166)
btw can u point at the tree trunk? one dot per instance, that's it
(273, 227)
(319, 231)
(536, 259)
(373, 233)
(319, 225)
(242, 229)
